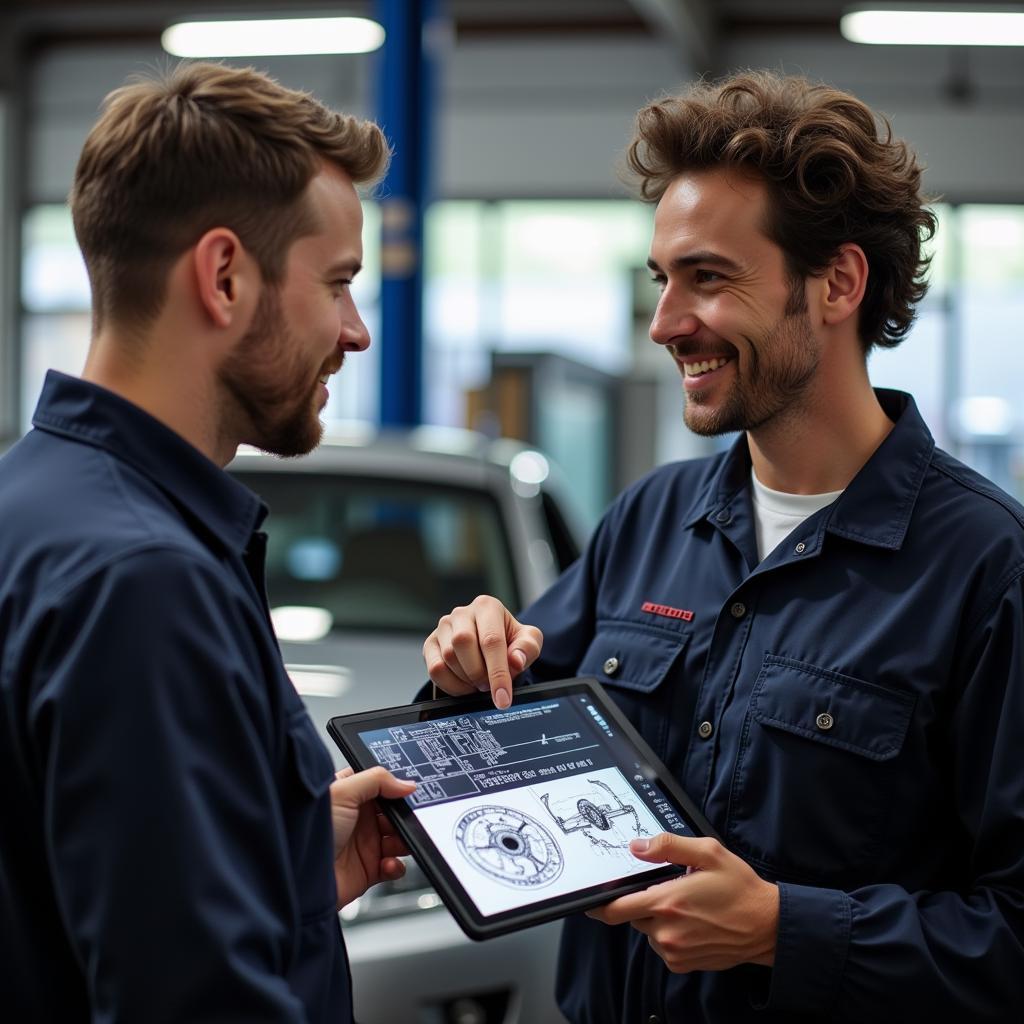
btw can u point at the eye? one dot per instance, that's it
(340, 285)
(706, 276)
(659, 281)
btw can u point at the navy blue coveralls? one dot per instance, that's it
(849, 715)
(166, 845)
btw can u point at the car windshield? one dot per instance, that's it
(379, 553)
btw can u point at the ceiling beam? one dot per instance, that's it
(690, 23)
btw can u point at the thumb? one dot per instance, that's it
(666, 848)
(365, 786)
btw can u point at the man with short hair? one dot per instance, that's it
(820, 631)
(175, 846)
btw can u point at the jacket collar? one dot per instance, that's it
(84, 412)
(875, 508)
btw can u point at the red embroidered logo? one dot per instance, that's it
(663, 609)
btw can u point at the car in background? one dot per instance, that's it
(371, 538)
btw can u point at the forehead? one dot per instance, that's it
(717, 210)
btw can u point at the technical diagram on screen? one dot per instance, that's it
(509, 846)
(591, 818)
(524, 814)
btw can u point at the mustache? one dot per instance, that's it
(692, 351)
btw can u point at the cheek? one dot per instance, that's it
(316, 325)
(735, 316)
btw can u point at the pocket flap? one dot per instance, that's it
(631, 656)
(831, 708)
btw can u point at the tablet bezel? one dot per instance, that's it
(345, 729)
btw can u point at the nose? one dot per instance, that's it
(672, 319)
(353, 335)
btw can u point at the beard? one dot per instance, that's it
(782, 364)
(273, 391)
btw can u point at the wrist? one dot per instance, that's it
(768, 933)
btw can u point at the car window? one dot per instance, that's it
(381, 554)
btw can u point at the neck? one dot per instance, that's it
(180, 392)
(821, 446)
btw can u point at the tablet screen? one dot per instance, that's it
(533, 802)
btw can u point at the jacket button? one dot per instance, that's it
(824, 721)
(738, 610)
(800, 548)
(653, 1019)
(724, 516)
(705, 729)
(611, 666)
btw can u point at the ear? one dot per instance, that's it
(224, 277)
(844, 283)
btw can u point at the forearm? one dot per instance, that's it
(881, 953)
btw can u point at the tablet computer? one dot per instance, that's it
(523, 815)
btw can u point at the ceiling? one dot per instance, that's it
(474, 16)
(701, 28)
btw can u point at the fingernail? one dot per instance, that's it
(640, 845)
(502, 699)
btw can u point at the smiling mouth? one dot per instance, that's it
(699, 369)
(327, 374)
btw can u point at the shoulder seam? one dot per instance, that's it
(994, 494)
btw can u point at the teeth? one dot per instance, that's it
(696, 369)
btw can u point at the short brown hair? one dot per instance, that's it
(202, 146)
(833, 177)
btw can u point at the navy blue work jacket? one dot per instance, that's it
(166, 846)
(848, 713)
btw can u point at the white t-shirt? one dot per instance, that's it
(777, 514)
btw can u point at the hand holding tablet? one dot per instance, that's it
(524, 814)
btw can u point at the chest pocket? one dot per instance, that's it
(810, 791)
(633, 661)
(308, 773)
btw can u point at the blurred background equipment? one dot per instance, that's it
(511, 234)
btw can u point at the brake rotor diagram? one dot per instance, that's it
(509, 846)
(592, 818)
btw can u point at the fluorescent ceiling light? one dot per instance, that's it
(277, 37)
(934, 28)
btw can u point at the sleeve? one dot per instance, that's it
(954, 953)
(163, 822)
(566, 613)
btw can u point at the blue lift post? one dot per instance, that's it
(404, 106)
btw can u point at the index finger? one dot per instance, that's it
(493, 639)
(633, 906)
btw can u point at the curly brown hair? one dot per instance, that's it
(203, 146)
(834, 175)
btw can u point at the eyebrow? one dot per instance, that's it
(704, 256)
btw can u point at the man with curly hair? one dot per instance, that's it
(175, 846)
(820, 631)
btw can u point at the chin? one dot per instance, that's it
(292, 439)
(706, 421)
